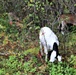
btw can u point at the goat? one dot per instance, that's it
(49, 41)
(66, 20)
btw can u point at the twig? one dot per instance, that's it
(6, 54)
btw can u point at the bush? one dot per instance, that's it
(30, 64)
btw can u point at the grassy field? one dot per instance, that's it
(28, 62)
(20, 56)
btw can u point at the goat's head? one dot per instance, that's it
(55, 53)
(54, 56)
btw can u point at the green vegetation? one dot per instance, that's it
(29, 63)
(19, 44)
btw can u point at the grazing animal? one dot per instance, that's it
(49, 41)
(66, 21)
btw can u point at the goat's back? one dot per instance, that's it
(46, 35)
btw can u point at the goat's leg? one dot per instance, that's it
(41, 49)
(46, 53)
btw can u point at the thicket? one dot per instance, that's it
(15, 41)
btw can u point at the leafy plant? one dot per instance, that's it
(61, 69)
(72, 60)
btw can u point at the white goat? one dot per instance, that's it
(49, 41)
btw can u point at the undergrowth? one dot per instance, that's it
(30, 64)
(25, 59)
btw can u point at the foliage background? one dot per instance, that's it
(19, 46)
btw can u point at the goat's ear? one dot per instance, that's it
(59, 57)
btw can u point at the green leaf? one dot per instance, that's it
(75, 5)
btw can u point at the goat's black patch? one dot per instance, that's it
(55, 48)
(49, 54)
